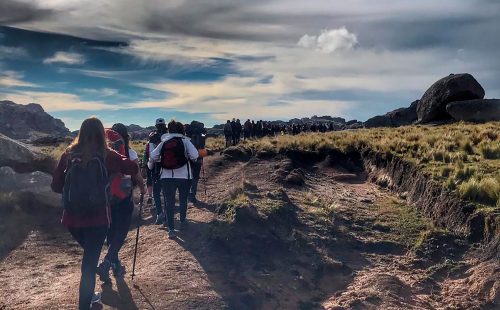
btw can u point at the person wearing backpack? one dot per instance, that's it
(196, 131)
(82, 176)
(228, 133)
(175, 153)
(154, 167)
(122, 205)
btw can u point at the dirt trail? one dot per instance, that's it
(342, 249)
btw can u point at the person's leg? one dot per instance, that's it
(121, 223)
(77, 234)
(196, 169)
(183, 186)
(169, 189)
(157, 196)
(92, 245)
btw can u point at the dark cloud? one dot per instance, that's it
(12, 12)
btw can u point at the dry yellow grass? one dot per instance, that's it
(460, 155)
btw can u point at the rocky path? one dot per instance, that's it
(356, 255)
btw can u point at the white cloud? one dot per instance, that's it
(13, 79)
(330, 40)
(103, 92)
(65, 58)
(8, 52)
(54, 101)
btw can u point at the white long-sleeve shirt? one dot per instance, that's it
(183, 172)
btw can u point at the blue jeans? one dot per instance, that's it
(170, 188)
(91, 240)
(157, 196)
(121, 216)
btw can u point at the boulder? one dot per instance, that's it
(404, 116)
(28, 121)
(18, 156)
(455, 87)
(378, 121)
(479, 110)
(237, 153)
(296, 177)
(37, 183)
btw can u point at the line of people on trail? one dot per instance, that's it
(234, 130)
(96, 176)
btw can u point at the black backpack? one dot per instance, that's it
(86, 186)
(198, 137)
(173, 154)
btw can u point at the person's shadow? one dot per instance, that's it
(120, 299)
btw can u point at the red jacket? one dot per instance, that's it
(115, 163)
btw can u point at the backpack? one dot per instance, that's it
(173, 154)
(198, 136)
(228, 129)
(120, 185)
(86, 186)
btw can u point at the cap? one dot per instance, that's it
(160, 121)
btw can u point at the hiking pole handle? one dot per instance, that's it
(141, 203)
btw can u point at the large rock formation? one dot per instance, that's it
(480, 110)
(18, 156)
(396, 118)
(28, 122)
(455, 87)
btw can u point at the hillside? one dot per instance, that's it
(339, 220)
(29, 122)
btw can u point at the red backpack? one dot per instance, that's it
(120, 184)
(173, 154)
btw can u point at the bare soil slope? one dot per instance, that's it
(336, 242)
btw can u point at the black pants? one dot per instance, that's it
(170, 187)
(121, 216)
(91, 240)
(196, 169)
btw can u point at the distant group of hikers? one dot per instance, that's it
(96, 176)
(234, 130)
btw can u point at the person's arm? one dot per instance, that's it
(118, 163)
(192, 152)
(154, 156)
(58, 176)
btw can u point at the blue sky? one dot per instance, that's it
(133, 61)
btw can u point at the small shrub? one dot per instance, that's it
(485, 191)
(490, 151)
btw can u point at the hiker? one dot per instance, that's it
(154, 167)
(254, 129)
(237, 132)
(247, 130)
(228, 133)
(82, 177)
(197, 133)
(121, 208)
(174, 153)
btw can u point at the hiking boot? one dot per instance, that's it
(172, 234)
(95, 298)
(160, 219)
(103, 271)
(118, 270)
(183, 224)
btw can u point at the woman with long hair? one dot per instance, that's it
(121, 217)
(88, 228)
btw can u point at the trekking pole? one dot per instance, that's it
(141, 203)
(204, 178)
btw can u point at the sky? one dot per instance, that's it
(132, 61)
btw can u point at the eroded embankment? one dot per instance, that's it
(433, 200)
(430, 197)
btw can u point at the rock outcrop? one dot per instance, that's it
(455, 87)
(29, 121)
(480, 110)
(396, 118)
(18, 156)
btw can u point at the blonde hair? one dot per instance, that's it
(91, 140)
